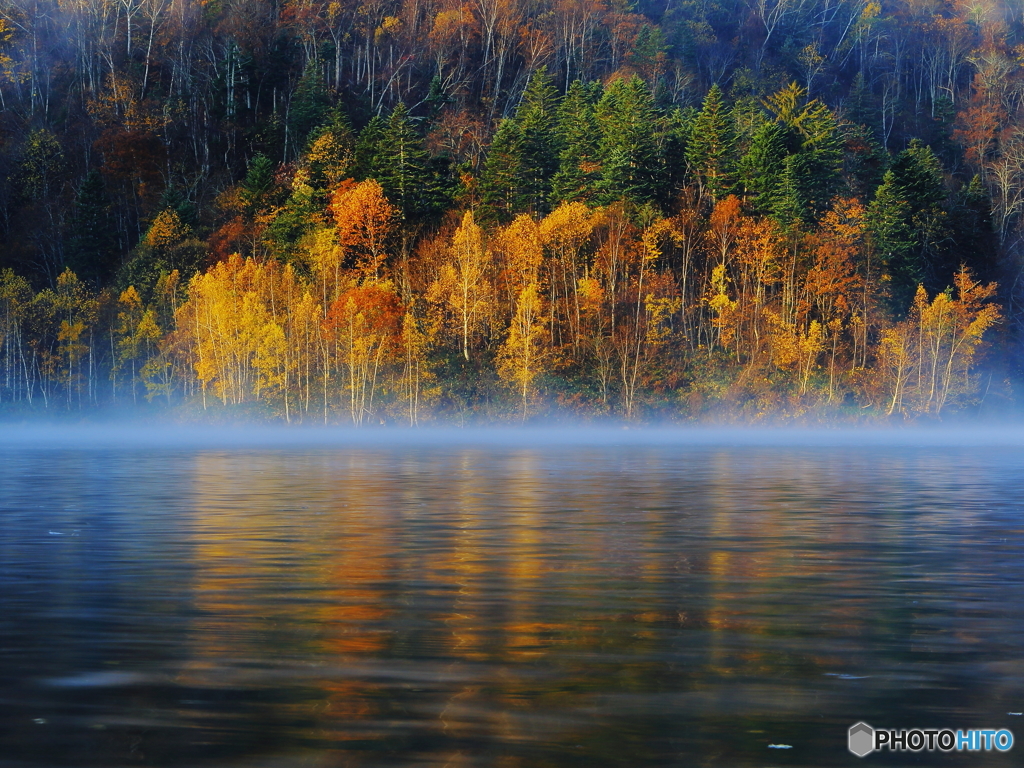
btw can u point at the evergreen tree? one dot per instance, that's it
(819, 170)
(918, 173)
(368, 161)
(258, 187)
(920, 250)
(864, 160)
(632, 167)
(678, 124)
(578, 162)
(174, 199)
(92, 249)
(405, 170)
(309, 105)
(891, 224)
(975, 242)
(761, 168)
(787, 203)
(500, 197)
(537, 117)
(329, 152)
(710, 149)
(861, 107)
(169, 244)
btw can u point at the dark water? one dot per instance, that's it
(552, 604)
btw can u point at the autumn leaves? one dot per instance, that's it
(596, 312)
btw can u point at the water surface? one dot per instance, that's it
(536, 602)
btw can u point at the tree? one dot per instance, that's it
(500, 194)
(365, 221)
(309, 105)
(579, 159)
(927, 358)
(908, 226)
(366, 322)
(168, 245)
(368, 162)
(93, 249)
(405, 172)
(762, 168)
(709, 151)
(521, 357)
(462, 286)
(632, 167)
(539, 147)
(137, 337)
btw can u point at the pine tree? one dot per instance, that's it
(890, 223)
(258, 185)
(971, 223)
(819, 172)
(709, 151)
(169, 244)
(910, 224)
(329, 152)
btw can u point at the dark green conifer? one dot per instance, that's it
(309, 106)
(92, 251)
(709, 151)
(891, 224)
(368, 160)
(537, 117)
(632, 167)
(579, 161)
(500, 197)
(405, 170)
(761, 168)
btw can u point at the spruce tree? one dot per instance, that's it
(632, 167)
(821, 159)
(975, 243)
(309, 105)
(258, 187)
(709, 151)
(500, 196)
(368, 159)
(761, 168)
(404, 169)
(578, 161)
(537, 117)
(891, 225)
(92, 249)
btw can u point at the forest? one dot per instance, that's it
(413, 211)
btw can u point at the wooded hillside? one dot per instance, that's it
(404, 211)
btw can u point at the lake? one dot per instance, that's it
(173, 597)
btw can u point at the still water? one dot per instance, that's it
(531, 603)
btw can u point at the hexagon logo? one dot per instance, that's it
(861, 739)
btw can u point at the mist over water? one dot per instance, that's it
(580, 596)
(166, 435)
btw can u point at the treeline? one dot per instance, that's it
(723, 307)
(406, 211)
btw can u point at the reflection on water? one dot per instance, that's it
(456, 606)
